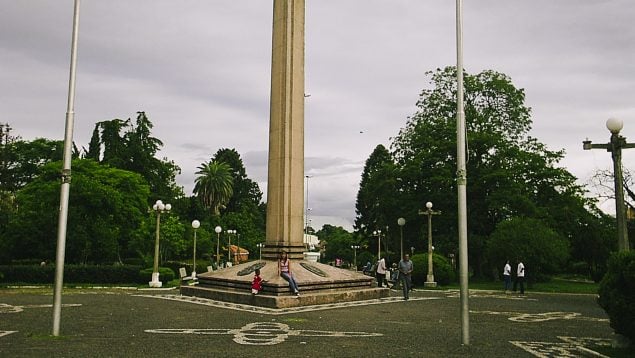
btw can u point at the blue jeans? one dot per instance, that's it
(406, 282)
(508, 282)
(289, 278)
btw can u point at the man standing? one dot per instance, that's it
(520, 273)
(405, 273)
(381, 272)
(507, 275)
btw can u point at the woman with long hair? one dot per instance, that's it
(284, 270)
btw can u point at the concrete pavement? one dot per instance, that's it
(123, 323)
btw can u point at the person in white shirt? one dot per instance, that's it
(507, 276)
(381, 272)
(520, 276)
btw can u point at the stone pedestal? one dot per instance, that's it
(155, 281)
(312, 256)
(318, 284)
(430, 282)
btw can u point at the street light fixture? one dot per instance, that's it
(615, 147)
(195, 225)
(429, 212)
(158, 207)
(218, 230)
(238, 249)
(307, 209)
(355, 247)
(378, 234)
(260, 245)
(401, 222)
(229, 244)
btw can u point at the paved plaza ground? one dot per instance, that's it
(143, 323)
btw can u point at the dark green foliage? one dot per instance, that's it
(115, 274)
(201, 266)
(443, 272)
(337, 241)
(510, 174)
(542, 250)
(129, 145)
(166, 275)
(214, 185)
(107, 208)
(617, 293)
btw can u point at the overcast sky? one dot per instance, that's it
(200, 69)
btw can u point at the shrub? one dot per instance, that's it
(617, 293)
(443, 272)
(541, 249)
(165, 275)
(99, 274)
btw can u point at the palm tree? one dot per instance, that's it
(214, 185)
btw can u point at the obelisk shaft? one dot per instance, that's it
(285, 187)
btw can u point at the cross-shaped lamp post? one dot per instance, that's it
(615, 146)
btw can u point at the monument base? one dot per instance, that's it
(318, 284)
(430, 284)
(155, 283)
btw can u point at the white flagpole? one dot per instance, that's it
(461, 178)
(66, 180)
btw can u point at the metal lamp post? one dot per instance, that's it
(615, 146)
(260, 245)
(355, 247)
(238, 248)
(195, 225)
(66, 179)
(378, 234)
(218, 230)
(158, 207)
(306, 210)
(401, 222)
(429, 212)
(229, 245)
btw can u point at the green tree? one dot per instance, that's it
(214, 185)
(107, 208)
(542, 250)
(129, 145)
(246, 192)
(337, 242)
(510, 174)
(94, 146)
(377, 204)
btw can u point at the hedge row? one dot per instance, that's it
(93, 274)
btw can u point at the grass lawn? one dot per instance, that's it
(555, 285)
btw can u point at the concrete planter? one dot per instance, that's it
(312, 256)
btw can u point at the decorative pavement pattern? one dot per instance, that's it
(6, 308)
(490, 294)
(263, 333)
(542, 317)
(281, 311)
(571, 347)
(6, 333)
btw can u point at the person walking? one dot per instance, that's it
(380, 272)
(405, 273)
(284, 270)
(507, 276)
(520, 276)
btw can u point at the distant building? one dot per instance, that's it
(311, 242)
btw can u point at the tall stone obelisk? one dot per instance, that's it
(285, 188)
(319, 283)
